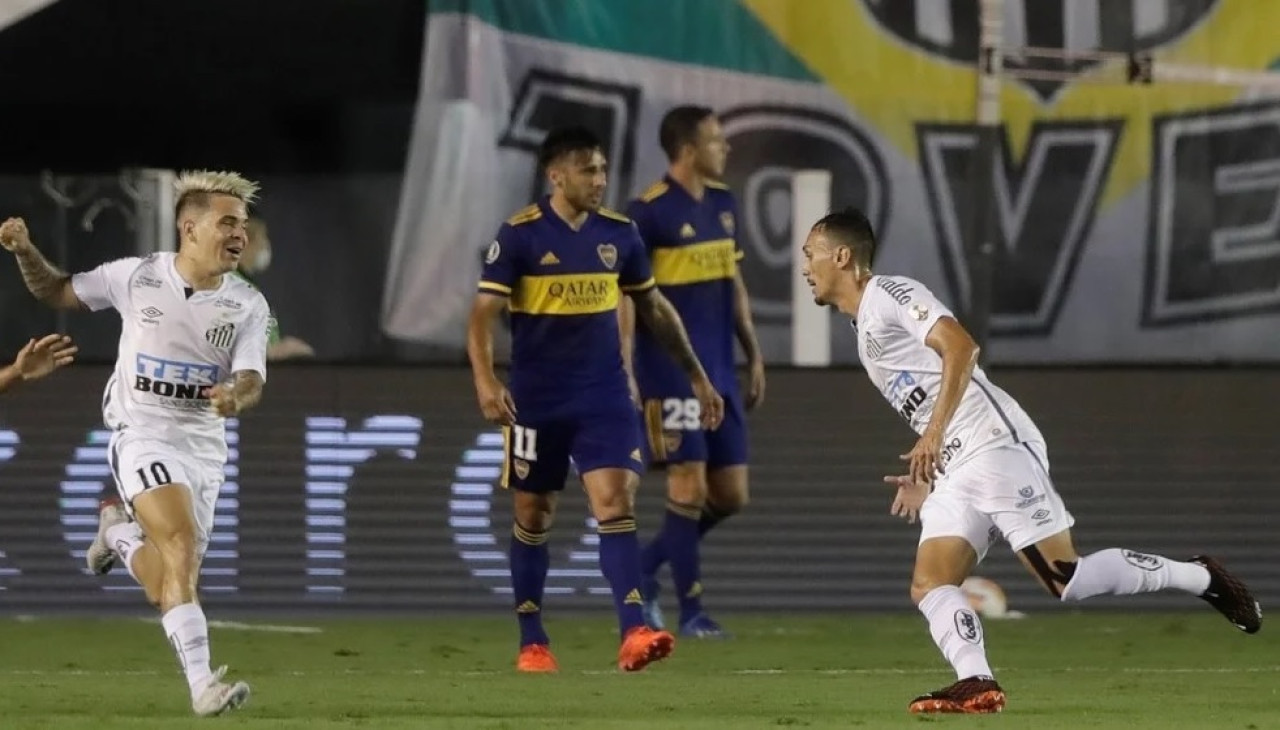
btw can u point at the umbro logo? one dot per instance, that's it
(548, 259)
(152, 312)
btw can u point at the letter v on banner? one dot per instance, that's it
(1044, 209)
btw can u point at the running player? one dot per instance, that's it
(192, 353)
(979, 470)
(37, 359)
(688, 221)
(561, 265)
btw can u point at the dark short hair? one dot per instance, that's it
(566, 140)
(850, 227)
(680, 127)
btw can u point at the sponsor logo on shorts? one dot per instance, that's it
(1029, 497)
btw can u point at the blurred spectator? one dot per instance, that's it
(254, 260)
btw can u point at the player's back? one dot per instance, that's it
(174, 344)
(893, 322)
(694, 255)
(564, 287)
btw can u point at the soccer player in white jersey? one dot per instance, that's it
(192, 353)
(979, 470)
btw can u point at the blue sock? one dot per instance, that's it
(620, 563)
(652, 557)
(709, 518)
(680, 540)
(530, 560)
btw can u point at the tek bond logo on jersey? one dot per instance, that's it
(178, 384)
(906, 394)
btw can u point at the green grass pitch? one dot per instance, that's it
(1060, 670)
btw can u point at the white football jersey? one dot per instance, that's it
(173, 346)
(894, 318)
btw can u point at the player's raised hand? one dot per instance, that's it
(495, 402)
(755, 386)
(925, 457)
(14, 236)
(909, 499)
(39, 358)
(711, 405)
(223, 400)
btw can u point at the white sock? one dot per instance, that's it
(957, 631)
(125, 538)
(1120, 572)
(188, 632)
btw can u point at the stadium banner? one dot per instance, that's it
(1134, 223)
(374, 490)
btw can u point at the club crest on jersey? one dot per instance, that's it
(726, 222)
(608, 254)
(220, 336)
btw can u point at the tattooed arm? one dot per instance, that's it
(45, 281)
(663, 322)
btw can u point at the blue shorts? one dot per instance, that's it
(537, 452)
(675, 436)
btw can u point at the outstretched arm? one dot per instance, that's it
(45, 281)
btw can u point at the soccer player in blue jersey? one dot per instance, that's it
(688, 221)
(561, 266)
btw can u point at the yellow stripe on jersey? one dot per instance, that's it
(566, 294)
(493, 287)
(654, 192)
(642, 286)
(615, 215)
(525, 214)
(695, 263)
(716, 185)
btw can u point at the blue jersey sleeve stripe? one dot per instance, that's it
(642, 286)
(492, 287)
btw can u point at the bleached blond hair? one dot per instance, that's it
(195, 186)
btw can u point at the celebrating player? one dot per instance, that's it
(979, 469)
(560, 265)
(688, 221)
(37, 359)
(192, 353)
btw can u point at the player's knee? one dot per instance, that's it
(613, 504)
(534, 512)
(923, 584)
(727, 490)
(687, 484)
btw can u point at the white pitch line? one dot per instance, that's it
(602, 672)
(240, 626)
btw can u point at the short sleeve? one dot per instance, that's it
(107, 285)
(638, 212)
(636, 274)
(729, 220)
(501, 268)
(911, 306)
(250, 349)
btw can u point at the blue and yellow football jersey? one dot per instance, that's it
(564, 287)
(695, 254)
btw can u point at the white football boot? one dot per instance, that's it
(217, 696)
(100, 557)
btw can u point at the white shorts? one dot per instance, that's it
(140, 462)
(1005, 492)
